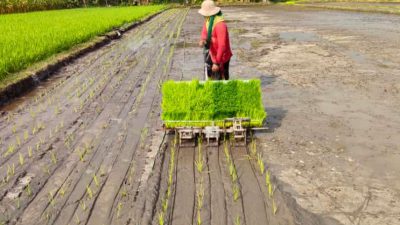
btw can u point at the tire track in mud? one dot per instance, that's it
(235, 207)
(184, 202)
(251, 194)
(218, 206)
(203, 186)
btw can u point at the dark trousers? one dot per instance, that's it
(223, 72)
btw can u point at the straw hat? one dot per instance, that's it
(208, 8)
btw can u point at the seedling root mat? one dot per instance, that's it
(197, 103)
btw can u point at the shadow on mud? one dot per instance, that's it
(267, 80)
(274, 118)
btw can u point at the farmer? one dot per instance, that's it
(215, 40)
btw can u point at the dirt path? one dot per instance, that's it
(87, 146)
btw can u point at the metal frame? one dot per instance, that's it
(188, 134)
(237, 128)
(212, 132)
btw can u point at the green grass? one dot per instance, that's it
(197, 103)
(26, 38)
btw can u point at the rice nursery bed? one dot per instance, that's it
(27, 38)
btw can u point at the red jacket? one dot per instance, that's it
(220, 49)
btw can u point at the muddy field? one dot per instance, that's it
(87, 146)
(382, 7)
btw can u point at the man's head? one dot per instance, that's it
(208, 8)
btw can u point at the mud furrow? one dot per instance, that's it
(235, 207)
(203, 186)
(185, 187)
(218, 204)
(252, 196)
(156, 188)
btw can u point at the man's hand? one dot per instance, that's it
(202, 43)
(215, 68)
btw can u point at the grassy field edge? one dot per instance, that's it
(27, 79)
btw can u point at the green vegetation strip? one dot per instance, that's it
(194, 103)
(31, 37)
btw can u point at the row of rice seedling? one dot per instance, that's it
(170, 35)
(123, 192)
(28, 141)
(25, 128)
(199, 103)
(48, 92)
(40, 98)
(232, 172)
(43, 104)
(39, 126)
(200, 164)
(163, 213)
(38, 35)
(31, 150)
(236, 191)
(257, 157)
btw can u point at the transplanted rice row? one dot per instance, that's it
(35, 132)
(232, 185)
(64, 189)
(80, 72)
(205, 183)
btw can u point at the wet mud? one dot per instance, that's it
(332, 95)
(212, 195)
